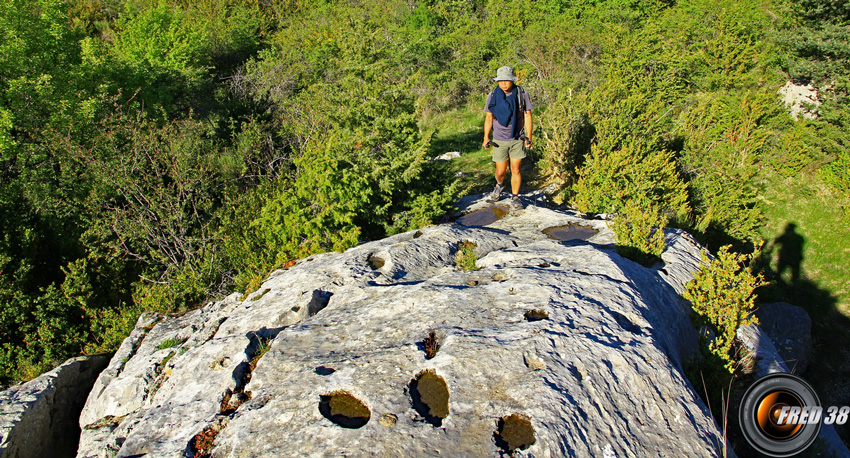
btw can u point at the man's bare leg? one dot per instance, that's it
(501, 172)
(516, 177)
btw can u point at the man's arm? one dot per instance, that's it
(488, 126)
(528, 129)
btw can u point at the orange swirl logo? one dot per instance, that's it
(780, 415)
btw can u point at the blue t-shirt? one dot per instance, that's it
(501, 132)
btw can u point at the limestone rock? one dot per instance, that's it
(761, 349)
(39, 418)
(328, 357)
(790, 329)
(448, 156)
(800, 100)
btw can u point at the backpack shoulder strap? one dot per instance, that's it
(520, 93)
(490, 96)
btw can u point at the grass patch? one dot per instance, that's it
(465, 257)
(463, 131)
(168, 343)
(825, 246)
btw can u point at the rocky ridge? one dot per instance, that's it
(550, 348)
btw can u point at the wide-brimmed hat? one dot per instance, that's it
(505, 74)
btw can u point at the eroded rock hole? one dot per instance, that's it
(570, 232)
(626, 323)
(323, 370)
(319, 301)
(536, 315)
(345, 410)
(388, 420)
(430, 395)
(514, 433)
(484, 216)
(376, 262)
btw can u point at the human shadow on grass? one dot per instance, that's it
(781, 265)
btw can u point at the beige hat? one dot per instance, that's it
(505, 74)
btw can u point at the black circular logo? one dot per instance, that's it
(780, 415)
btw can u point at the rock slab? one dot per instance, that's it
(548, 349)
(39, 418)
(790, 329)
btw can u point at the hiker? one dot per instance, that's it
(511, 107)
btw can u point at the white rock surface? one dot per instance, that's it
(448, 156)
(38, 418)
(800, 100)
(600, 377)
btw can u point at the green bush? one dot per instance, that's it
(611, 178)
(721, 294)
(567, 135)
(837, 174)
(639, 231)
(726, 139)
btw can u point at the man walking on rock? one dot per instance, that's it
(508, 115)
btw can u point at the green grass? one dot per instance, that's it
(465, 259)
(168, 343)
(462, 130)
(820, 241)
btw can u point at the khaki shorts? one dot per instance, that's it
(508, 148)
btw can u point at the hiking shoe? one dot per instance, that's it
(515, 203)
(497, 192)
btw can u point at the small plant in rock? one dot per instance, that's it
(168, 343)
(202, 443)
(465, 258)
(263, 346)
(431, 345)
(721, 293)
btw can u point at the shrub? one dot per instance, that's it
(611, 178)
(567, 135)
(640, 232)
(465, 258)
(721, 293)
(725, 139)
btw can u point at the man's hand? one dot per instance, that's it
(528, 142)
(486, 143)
